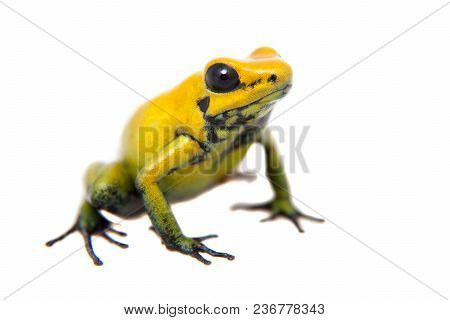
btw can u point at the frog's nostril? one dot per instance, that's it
(272, 78)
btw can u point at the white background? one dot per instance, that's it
(377, 151)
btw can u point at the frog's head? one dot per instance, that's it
(239, 92)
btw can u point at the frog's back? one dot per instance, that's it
(146, 133)
(156, 123)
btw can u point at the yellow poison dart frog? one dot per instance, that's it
(186, 141)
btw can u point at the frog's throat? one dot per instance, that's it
(247, 114)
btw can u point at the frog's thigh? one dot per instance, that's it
(110, 188)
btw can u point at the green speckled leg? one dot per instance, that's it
(108, 188)
(281, 205)
(166, 226)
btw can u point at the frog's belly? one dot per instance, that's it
(191, 181)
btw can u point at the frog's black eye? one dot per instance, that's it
(221, 78)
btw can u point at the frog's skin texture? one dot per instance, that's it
(186, 141)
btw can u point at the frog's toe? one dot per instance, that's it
(300, 214)
(194, 247)
(87, 237)
(296, 223)
(113, 241)
(295, 218)
(291, 217)
(90, 250)
(87, 243)
(202, 248)
(279, 208)
(251, 207)
(61, 237)
(119, 233)
(91, 224)
(200, 258)
(209, 236)
(213, 253)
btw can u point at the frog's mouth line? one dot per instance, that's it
(240, 115)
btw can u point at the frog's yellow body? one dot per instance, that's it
(184, 142)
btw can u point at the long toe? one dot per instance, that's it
(295, 221)
(209, 236)
(256, 206)
(61, 237)
(113, 241)
(90, 250)
(311, 218)
(199, 257)
(119, 233)
(213, 253)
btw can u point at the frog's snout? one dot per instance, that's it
(278, 73)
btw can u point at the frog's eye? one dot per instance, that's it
(221, 78)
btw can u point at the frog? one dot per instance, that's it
(184, 142)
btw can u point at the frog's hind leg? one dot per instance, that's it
(281, 205)
(108, 188)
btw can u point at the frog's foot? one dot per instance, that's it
(279, 208)
(91, 223)
(194, 246)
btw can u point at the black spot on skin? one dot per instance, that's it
(254, 83)
(215, 121)
(203, 104)
(172, 170)
(212, 136)
(272, 78)
(244, 86)
(241, 120)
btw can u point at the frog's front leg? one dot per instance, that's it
(176, 154)
(281, 205)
